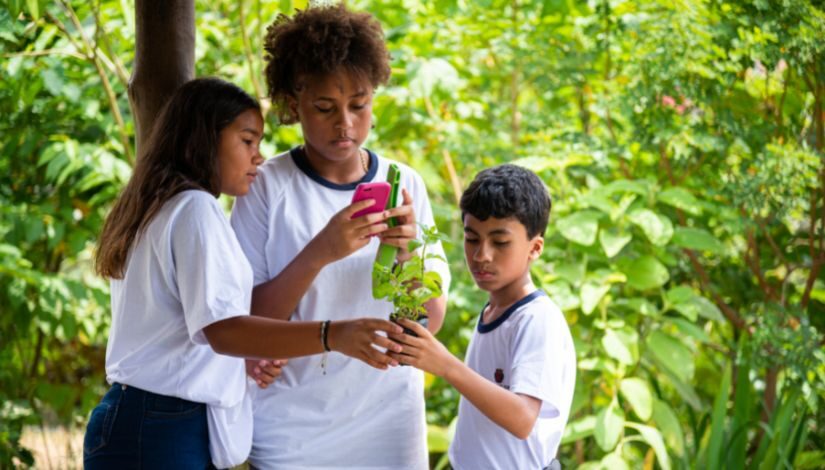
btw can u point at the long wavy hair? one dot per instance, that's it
(181, 153)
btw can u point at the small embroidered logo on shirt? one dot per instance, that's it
(499, 376)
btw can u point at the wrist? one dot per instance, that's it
(325, 327)
(451, 365)
(332, 335)
(315, 255)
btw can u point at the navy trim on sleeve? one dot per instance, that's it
(301, 161)
(482, 328)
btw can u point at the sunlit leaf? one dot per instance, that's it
(609, 425)
(637, 392)
(646, 273)
(580, 227)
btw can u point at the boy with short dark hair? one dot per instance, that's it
(517, 383)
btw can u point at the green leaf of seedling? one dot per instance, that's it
(414, 244)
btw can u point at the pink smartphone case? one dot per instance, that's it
(379, 191)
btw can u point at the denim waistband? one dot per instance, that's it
(153, 400)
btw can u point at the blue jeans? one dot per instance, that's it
(132, 428)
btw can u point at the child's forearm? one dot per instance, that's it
(515, 413)
(278, 297)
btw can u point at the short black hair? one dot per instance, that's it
(506, 191)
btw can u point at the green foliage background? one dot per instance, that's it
(682, 142)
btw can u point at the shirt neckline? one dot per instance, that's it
(299, 157)
(488, 327)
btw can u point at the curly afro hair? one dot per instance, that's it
(319, 41)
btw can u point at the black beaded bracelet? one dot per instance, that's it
(324, 332)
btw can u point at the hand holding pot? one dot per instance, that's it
(355, 338)
(424, 352)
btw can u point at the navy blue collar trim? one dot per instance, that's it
(301, 161)
(482, 328)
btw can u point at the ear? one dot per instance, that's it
(292, 105)
(536, 247)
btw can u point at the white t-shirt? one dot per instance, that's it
(527, 350)
(185, 272)
(352, 416)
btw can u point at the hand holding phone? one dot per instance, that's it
(378, 191)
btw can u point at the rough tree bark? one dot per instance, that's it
(164, 58)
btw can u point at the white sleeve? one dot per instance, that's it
(538, 359)
(250, 220)
(424, 216)
(212, 277)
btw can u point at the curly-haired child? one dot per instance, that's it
(324, 64)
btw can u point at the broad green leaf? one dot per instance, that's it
(622, 345)
(690, 329)
(579, 429)
(654, 439)
(684, 389)
(591, 295)
(626, 186)
(681, 198)
(580, 227)
(640, 305)
(33, 7)
(707, 309)
(430, 74)
(670, 426)
(679, 295)
(697, 239)
(672, 354)
(562, 295)
(646, 273)
(657, 228)
(613, 241)
(572, 271)
(621, 208)
(637, 393)
(609, 425)
(614, 461)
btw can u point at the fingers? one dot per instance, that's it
(370, 230)
(264, 372)
(403, 359)
(351, 209)
(375, 324)
(415, 327)
(386, 343)
(384, 360)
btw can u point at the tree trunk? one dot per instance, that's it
(164, 58)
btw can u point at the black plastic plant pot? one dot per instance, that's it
(423, 320)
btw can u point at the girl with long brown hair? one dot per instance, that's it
(181, 292)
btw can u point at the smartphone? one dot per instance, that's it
(379, 191)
